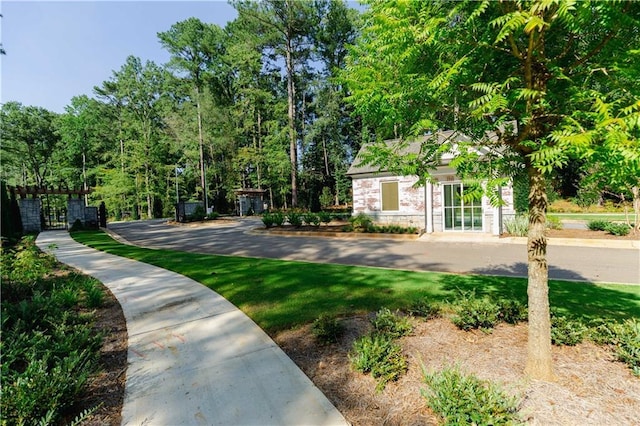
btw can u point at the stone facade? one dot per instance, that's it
(422, 206)
(30, 214)
(75, 211)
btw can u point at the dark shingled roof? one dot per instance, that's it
(412, 147)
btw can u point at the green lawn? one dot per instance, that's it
(281, 294)
(592, 216)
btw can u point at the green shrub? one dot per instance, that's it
(512, 311)
(48, 348)
(66, 297)
(623, 337)
(361, 223)
(566, 331)
(620, 229)
(517, 225)
(326, 197)
(327, 329)
(475, 313)
(213, 215)
(324, 217)
(311, 219)
(278, 218)
(294, 219)
(426, 309)
(93, 293)
(379, 355)
(267, 219)
(466, 400)
(597, 225)
(391, 323)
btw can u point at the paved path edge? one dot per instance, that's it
(193, 357)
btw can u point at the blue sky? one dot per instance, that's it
(57, 50)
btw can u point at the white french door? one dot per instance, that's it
(458, 214)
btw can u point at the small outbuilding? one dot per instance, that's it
(251, 201)
(438, 206)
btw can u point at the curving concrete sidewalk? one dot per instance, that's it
(194, 358)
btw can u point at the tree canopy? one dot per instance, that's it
(524, 71)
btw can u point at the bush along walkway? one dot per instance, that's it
(194, 358)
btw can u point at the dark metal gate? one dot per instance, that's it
(53, 218)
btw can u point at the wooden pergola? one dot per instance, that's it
(24, 191)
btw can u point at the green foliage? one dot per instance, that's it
(613, 228)
(21, 268)
(623, 337)
(425, 308)
(517, 225)
(475, 313)
(324, 217)
(311, 219)
(391, 323)
(213, 215)
(460, 399)
(512, 311)
(521, 193)
(597, 225)
(66, 297)
(326, 197)
(361, 223)
(294, 218)
(393, 229)
(271, 219)
(566, 331)
(94, 295)
(268, 219)
(49, 349)
(379, 355)
(619, 229)
(327, 329)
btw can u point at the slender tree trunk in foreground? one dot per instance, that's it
(293, 137)
(636, 206)
(539, 362)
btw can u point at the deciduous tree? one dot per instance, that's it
(517, 69)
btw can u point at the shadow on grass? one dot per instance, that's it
(280, 294)
(579, 298)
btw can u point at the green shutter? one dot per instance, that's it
(390, 199)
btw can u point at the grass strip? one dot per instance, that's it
(280, 294)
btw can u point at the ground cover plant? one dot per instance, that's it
(465, 399)
(49, 348)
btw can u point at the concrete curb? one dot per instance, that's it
(328, 234)
(455, 238)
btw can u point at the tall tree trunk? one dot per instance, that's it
(293, 144)
(148, 190)
(539, 362)
(203, 177)
(259, 151)
(84, 177)
(635, 190)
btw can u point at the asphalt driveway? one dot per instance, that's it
(238, 238)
